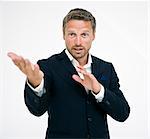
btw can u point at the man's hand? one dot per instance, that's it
(89, 81)
(33, 72)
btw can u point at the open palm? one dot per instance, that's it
(89, 81)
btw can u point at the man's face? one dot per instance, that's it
(78, 36)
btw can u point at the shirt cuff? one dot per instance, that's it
(99, 97)
(39, 90)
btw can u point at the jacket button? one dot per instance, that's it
(35, 100)
(88, 136)
(107, 102)
(89, 119)
(88, 102)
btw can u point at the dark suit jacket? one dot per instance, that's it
(72, 112)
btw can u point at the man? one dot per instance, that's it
(77, 89)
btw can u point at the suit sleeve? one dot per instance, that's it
(114, 102)
(37, 105)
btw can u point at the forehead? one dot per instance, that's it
(79, 25)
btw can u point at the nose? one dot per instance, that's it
(78, 40)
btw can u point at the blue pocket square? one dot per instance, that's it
(103, 77)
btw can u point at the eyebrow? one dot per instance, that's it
(87, 31)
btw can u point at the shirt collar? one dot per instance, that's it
(75, 62)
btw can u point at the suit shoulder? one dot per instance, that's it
(101, 61)
(50, 59)
(47, 64)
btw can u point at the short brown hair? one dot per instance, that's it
(79, 14)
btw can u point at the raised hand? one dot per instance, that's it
(32, 71)
(89, 81)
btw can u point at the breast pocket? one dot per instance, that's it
(104, 80)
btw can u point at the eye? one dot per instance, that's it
(84, 35)
(71, 34)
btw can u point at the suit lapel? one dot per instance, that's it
(97, 68)
(66, 64)
(66, 69)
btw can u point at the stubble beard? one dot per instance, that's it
(78, 52)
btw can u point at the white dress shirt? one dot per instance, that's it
(40, 90)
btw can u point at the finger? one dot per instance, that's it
(19, 61)
(22, 64)
(36, 69)
(83, 71)
(77, 78)
(16, 62)
(28, 67)
(12, 55)
(80, 67)
(91, 76)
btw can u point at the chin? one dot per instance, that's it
(78, 56)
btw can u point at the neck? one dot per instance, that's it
(83, 61)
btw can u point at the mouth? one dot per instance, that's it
(78, 49)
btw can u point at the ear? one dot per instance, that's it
(63, 35)
(94, 34)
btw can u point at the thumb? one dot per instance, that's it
(36, 68)
(77, 78)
